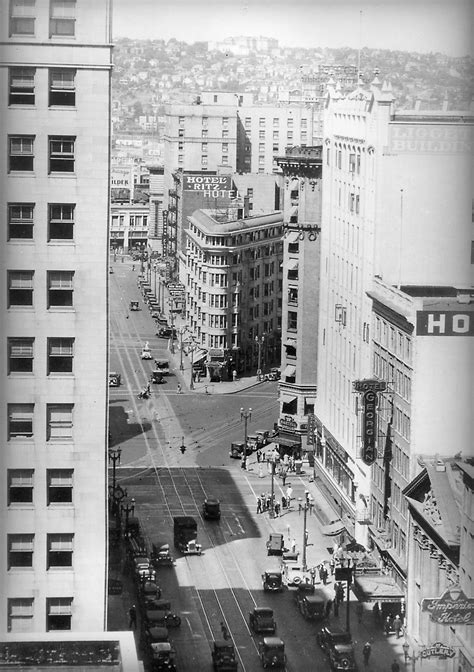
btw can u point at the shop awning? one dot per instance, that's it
(287, 398)
(289, 440)
(377, 588)
(289, 371)
(310, 400)
(292, 265)
(291, 342)
(199, 355)
(333, 529)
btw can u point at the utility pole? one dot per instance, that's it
(246, 416)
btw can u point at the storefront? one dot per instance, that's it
(332, 459)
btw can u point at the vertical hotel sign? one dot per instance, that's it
(369, 390)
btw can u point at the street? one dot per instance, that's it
(224, 583)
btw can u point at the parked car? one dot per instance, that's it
(166, 332)
(342, 657)
(331, 635)
(310, 602)
(115, 379)
(261, 620)
(275, 544)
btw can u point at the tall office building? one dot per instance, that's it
(55, 76)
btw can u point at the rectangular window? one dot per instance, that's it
(292, 320)
(20, 221)
(20, 550)
(21, 156)
(20, 614)
(58, 613)
(61, 221)
(62, 87)
(180, 132)
(59, 482)
(181, 121)
(62, 18)
(225, 133)
(22, 17)
(261, 135)
(204, 147)
(204, 160)
(59, 421)
(60, 550)
(60, 355)
(204, 133)
(20, 421)
(61, 154)
(22, 86)
(180, 158)
(20, 486)
(60, 288)
(20, 288)
(225, 147)
(20, 355)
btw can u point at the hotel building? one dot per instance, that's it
(55, 74)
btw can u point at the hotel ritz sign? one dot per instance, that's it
(210, 186)
(369, 390)
(445, 323)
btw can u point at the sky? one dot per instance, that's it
(444, 26)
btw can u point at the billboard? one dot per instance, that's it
(452, 608)
(121, 183)
(210, 186)
(445, 323)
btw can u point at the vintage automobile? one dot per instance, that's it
(159, 614)
(261, 620)
(223, 656)
(342, 657)
(161, 556)
(237, 450)
(148, 592)
(146, 352)
(161, 656)
(310, 602)
(329, 636)
(275, 544)
(134, 305)
(115, 379)
(294, 574)
(211, 509)
(273, 374)
(156, 376)
(155, 634)
(272, 652)
(272, 581)
(166, 332)
(163, 366)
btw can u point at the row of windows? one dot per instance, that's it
(393, 339)
(388, 368)
(21, 611)
(59, 421)
(62, 18)
(21, 217)
(61, 153)
(59, 285)
(262, 121)
(59, 550)
(62, 87)
(60, 355)
(134, 221)
(236, 240)
(59, 486)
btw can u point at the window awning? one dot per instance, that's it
(293, 265)
(377, 588)
(199, 355)
(287, 398)
(310, 400)
(333, 529)
(289, 371)
(291, 342)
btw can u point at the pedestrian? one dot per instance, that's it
(179, 388)
(310, 503)
(283, 502)
(133, 267)
(359, 612)
(225, 631)
(259, 505)
(327, 608)
(340, 593)
(283, 477)
(243, 464)
(300, 508)
(332, 565)
(132, 615)
(234, 375)
(387, 626)
(376, 612)
(323, 573)
(293, 545)
(258, 456)
(289, 492)
(366, 651)
(277, 509)
(397, 625)
(306, 496)
(268, 503)
(395, 666)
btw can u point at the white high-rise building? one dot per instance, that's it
(55, 70)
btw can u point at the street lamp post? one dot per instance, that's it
(246, 416)
(406, 653)
(192, 348)
(181, 332)
(259, 342)
(304, 507)
(271, 461)
(114, 457)
(128, 508)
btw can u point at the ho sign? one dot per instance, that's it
(445, 323)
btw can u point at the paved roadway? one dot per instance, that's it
(224, 583)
